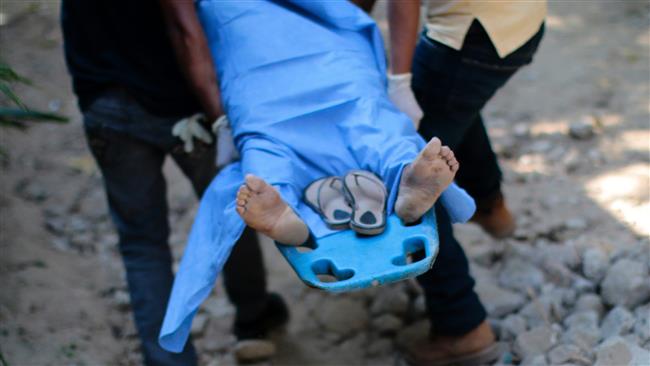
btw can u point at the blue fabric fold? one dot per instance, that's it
(304, 87)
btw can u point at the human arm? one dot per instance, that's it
(403, 23)
(193, 54)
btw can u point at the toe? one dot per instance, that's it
(241, 210)
(454, 167)
(243, 192)
(241, 202)
(446, 152)
(255, 184)
(432, 150)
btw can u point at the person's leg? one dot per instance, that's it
(135, 188)
(452, 87)
(452, 305)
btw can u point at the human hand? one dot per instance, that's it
(189, 128)
(400, 93)
(226, 151)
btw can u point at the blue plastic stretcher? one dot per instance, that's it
(347, 261)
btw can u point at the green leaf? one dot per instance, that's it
(6, 90)
(9, 114)
(9, 75)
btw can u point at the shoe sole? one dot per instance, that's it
(486, 356)
(252, 350)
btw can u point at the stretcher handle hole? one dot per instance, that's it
(326, 271)
(414, 251)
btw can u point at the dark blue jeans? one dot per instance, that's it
(130, 146)
(452, 87)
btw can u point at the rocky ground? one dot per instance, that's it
(570, 288)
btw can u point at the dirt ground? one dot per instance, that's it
(573, 135)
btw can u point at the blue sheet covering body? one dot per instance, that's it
(304, 87)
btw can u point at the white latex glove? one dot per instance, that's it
(226, 151)
(400, 93)
(189, 128)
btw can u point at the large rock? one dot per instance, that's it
(512, 326)
(565, 254)
(618, 321)
(390, 300)
(498, 301)
(537, 360)
(387, 324)
(582, 129)
(620, 352)
(566, 353)
(535, 341)
(594, 264)
(589, 302)
(582, 330)
(521, 275)
(626, 283)
(642, 323)
(543, 310)
(342, 315)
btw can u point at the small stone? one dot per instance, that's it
(77, 224)
(31, 191)
(122, 300)
(567, 353)
(482, 254)
(342, 315)
(617, 322)
(413, 333)
(642, 324)
(540, 146)
(583, 330)
(589, 302)
(55, 225)
(535, 341)
(390, 300)
(576, 223)
(583, 285)
(537, 360)
(594, 264)
(217, 344)
(379, 347)
(558, 273)
(498, 301)
(512, 326)
(420, 305)
(583, 129)
(520, 275)
(387, 324)
(218, 307)
(567, 296)
(618, 351)
(583, 319)
(543, 310)
(352, 348)
(626, 283)
(199, 324)
(565, 254)
(521, 130)
(61, 244)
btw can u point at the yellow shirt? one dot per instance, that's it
(509, 23)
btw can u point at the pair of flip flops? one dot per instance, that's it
(357, 201)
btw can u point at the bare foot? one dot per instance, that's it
(262, 208)
(424, 180)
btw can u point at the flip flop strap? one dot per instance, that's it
(381, 185)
